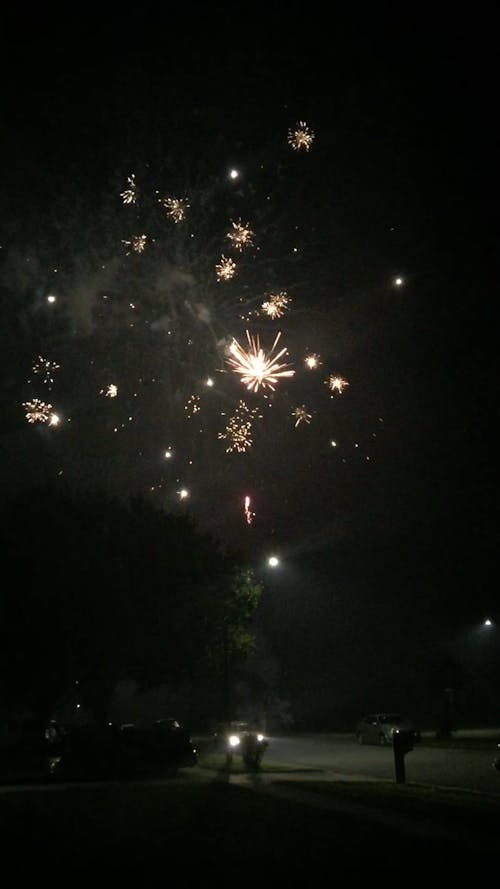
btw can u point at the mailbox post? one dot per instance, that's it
(402, 743)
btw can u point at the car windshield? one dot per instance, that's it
(391, 717)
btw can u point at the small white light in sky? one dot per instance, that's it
(233, 174)
(333, 444)
(209, 381)
(168, 454)
(51, 298)
(273, 561)
(398, 282)
(487, 623)
(183, 493)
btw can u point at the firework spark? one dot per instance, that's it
(46, 369)
(302, 137)
(312, 361)
(137, 243)
(225, 269)
(238, 431)
(276, 304)
(176, 208)
(301, 415)
(129, 196)
(255, 366)
(336, 384)
(241, 236)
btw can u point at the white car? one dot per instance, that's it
(379, 728)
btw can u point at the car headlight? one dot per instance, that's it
(233, 740)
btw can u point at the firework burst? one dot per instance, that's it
(176, 208)
(46, 369)
(241, 236)
(129, 196)
(38, 411)
(335, 384)
(225, 269)
(276, 304)
(238, 432)
(301, 416)
(257, 368)
(312, 361)
(137, 243)
(302, 137)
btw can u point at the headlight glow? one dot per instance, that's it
(233, 740)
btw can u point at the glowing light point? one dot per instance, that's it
(169, 454)
(209, 382)
(51, 299)
(183, 493)
(273, 561)
(234, 174)
(398, 282)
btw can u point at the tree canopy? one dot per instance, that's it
(96, 591)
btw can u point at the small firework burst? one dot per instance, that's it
(110, 391)
(176, 208)
(276, 304)
(225, 269)
(137, 243)
(301, 416)
(249, 515)
(37, 411)
(312, 361)
(241, 235)
(192, 405)
(255, 366)
(238, 432)
(54, 420)
(46, 369)
(302, 137)
(129, 196)
(335, 384)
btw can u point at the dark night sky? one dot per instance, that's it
(405, 158)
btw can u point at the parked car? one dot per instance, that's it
(378, 728)
(117, 751)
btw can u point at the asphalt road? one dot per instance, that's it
(340, 755)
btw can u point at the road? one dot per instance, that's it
(468, 769)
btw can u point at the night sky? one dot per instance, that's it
(394, 526)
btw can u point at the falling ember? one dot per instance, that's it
(336, 384)
(129, 196)
(241, 236)
(137, 243)
(225, 269)
(255, 366)
(312, 361)
(276, 304)
(301, 138)
(176, 208)
(249, 515)
(38, 411)
(301, 415)
(111, 391)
